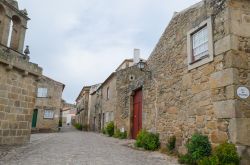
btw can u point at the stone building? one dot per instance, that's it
(197, 77)
(103, 97)
(46, 114)
(95, 113)
(108, 99)
(129, 82)
(18, 76)
(68, 113)
(82, 105)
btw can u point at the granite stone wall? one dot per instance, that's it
(108, 103)
(180, 101)
(18, 82)
(127, 80)
(51, 102)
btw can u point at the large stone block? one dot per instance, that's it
(225, 109)
(224, 78)
(236, 59)
(239, 130)
(240, 22)
(187, 81)
(223, 45)
(218, 137)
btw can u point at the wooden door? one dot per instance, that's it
(34, 118)
(137, 113)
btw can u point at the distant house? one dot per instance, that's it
(94, 110)
(108, 99)
(46, 114)
(82, 105)
(68, 113)
(105, 103)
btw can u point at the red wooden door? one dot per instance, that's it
(137, 114)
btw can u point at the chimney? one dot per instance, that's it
(136, 56)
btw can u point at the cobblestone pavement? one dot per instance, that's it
(71, 147)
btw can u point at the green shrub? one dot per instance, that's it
(60, 123)
(110, 128)
(78, 126)
(140, 139)
(186, 159)
(117, 133)
(85, 127)
(123, 135)
(212, 160)
(198, 148)
(120, 135)
(103, 130)
(227, 154)
(147, 140)
(171, 143)
(224, 154)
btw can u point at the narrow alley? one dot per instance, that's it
(80, 148)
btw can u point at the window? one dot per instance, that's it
(48, 114)
(200, 45)
(108, 93)
(42, 92)
(111, 116)
(107, 117)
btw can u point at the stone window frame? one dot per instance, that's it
(39, 95)
(206, 59)
(50, 117)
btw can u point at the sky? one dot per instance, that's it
(81, 42)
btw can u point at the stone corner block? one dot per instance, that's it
(225, 109)
(239, 131)
(224, 78)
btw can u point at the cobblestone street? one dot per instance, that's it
(71, 147)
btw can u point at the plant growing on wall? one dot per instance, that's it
(171, 144)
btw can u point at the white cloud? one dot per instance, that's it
(80, 42)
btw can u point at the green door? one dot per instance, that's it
(34, 118)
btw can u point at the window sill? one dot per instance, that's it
(202, 58)
(202, 61)
(48, 118)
